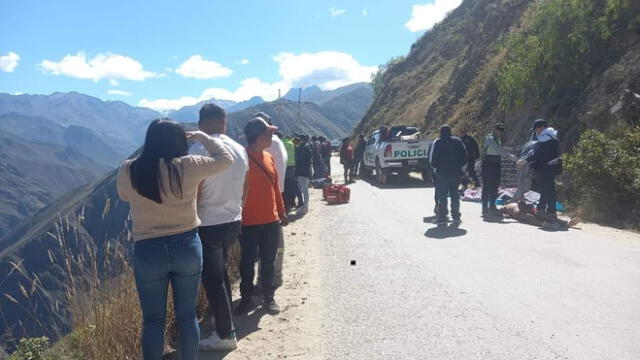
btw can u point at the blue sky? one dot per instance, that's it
(167, 54)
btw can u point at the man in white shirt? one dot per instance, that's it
(220, 200)
(279, 153)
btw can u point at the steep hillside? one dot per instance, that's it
(348, 108)
(514, 61)
(33, 257)
(120, 124)
(34, 173)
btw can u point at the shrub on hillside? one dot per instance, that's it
(605, 177)
(32, 349)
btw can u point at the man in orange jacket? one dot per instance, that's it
(262, 217)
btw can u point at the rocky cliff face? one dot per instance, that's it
(451, 75)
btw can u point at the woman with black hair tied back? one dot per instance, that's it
(161, 185)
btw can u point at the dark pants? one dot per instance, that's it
(471, 176)
(547, 185)
(348, 172)
(447, 186)
(491, 175)
(216, 241)
(327, 162)
(290, 188)
(259, 240)
(357, 165)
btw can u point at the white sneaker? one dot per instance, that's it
(213, 343)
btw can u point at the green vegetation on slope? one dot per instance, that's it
(561, 46)
(605, 175)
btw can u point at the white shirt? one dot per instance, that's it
(279, 153)
(220, 196)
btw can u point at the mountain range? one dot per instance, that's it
(55, 155)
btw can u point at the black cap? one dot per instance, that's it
(258, 126)
(445, 130)
(263, 115)
(538, 123)
(500, 126)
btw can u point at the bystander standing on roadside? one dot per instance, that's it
(220, 199)
(473, 154)
(346, 159)
(161, 186)
(262, 217)
(358, 155)
(546, 162)
(304, 162)
(449, 159)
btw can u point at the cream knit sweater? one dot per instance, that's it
(176, 214)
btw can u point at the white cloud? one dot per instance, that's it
(119, 92)
(9, 62)
(365, 13)
(424, 17)
(244, 61)
(336, 12)
(327, 69)
(113, 82)
(16, 93)
(198, 68)
(102, 66)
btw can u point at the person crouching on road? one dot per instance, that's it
(161, 186)
(545, 161)
(346, 159)
(262, 217)
(449, 159)
(220, 210)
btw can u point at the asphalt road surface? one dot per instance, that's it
(483, 291)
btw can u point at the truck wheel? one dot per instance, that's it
(381, 176)
(427, 176)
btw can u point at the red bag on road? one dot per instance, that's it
(336, 194)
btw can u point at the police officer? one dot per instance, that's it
(492, 152)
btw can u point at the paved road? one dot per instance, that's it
(484, 291)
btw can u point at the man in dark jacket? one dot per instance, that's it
(473, 154)
(358, 155)
(325, 153)
(304, 161)
(448, 158)
(544, 159)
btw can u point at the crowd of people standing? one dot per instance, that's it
(453, 160)
(189, 204)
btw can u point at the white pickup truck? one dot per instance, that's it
(400, 151)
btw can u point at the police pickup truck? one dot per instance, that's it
(397, 151)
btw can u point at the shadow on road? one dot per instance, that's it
(397, 182)
(445, 232)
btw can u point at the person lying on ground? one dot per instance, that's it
(525, 213)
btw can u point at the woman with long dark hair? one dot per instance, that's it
(161, 186)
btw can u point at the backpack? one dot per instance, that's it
(336, 194)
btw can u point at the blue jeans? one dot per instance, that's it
(158, 261)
